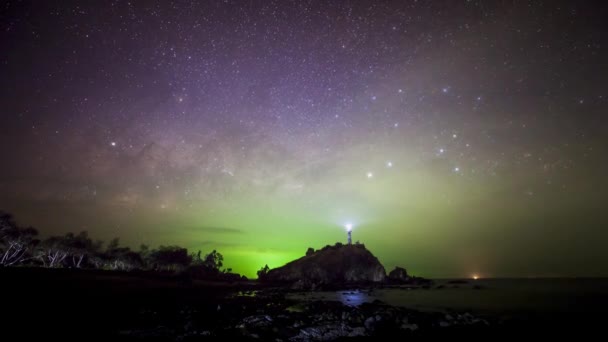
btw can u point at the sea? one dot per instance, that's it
(485, 296)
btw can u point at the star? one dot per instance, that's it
(212, 121)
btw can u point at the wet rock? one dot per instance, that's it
(256, 321)
(188, 326)
(273, 317)
(479, 321)
(370, 323)
(326, 316)
(327, 332)
(408, 326)
(357, 331)
(158, 332)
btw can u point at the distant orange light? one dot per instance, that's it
(475, 277)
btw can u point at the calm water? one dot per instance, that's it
(494, 296)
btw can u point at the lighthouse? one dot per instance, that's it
(349, 231)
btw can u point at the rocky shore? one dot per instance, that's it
(268, 315)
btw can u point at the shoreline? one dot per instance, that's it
(123, 306)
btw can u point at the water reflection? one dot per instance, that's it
(354, 298)
(483, 296)
(350, 298)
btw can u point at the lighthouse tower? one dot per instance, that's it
(349, 230)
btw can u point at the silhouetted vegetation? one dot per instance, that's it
(17, 244)
(21, 247)
(263, 272)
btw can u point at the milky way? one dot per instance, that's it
(458, 138)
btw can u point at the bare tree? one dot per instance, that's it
(79, 247)
(122, 258)
(16, 243)
(52, 251)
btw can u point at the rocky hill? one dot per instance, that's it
(338, 264)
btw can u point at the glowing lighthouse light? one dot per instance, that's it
(349, 230)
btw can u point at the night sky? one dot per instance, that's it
(458, 137)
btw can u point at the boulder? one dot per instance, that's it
(399, 274)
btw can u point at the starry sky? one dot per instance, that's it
(458, 137)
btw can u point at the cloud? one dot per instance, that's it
(218, 230)
(217, 244)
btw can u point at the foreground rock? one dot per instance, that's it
(269, 317)
(339, 264)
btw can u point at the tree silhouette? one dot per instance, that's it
(16, 244)
(79, 247)
(214, 260)
(263, 272)
(52, 251)
(170, 258)
(19, 246)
